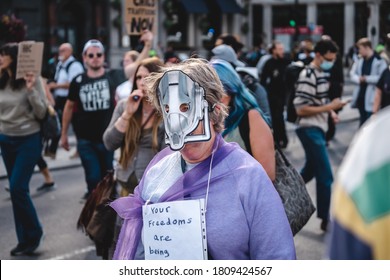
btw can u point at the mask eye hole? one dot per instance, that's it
(184, 107)
(166, 107)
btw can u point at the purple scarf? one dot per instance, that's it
(130, 208)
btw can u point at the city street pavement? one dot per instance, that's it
(59, 209)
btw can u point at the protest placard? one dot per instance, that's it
(29, 58)
(175, 230)
(140, 15)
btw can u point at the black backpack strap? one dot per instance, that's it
(244, 132)
(68, 66)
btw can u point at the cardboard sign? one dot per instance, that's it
(29, 58)
(175, 230)
(140, 15)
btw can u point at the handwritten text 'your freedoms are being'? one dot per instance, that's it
(162, 223)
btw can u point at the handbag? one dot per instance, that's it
(288, 183)
(292, 190)
(50, 125)
(97, 219)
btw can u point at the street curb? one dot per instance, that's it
(56, 168)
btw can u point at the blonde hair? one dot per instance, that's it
(134, 129)
(201, 72)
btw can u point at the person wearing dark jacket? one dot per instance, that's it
(272, 78)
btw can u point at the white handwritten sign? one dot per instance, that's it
(29, 58)
(140, 15)
(175, 230)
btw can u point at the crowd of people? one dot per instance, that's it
(199, 129)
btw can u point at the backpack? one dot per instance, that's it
(248, 77)
(68, 67)
(291, 77)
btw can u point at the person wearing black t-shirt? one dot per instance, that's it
(89, 107)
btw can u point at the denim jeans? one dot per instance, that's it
(20, 155)
(317, 165)
(96, 160)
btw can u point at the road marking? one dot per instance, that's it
(74, 253)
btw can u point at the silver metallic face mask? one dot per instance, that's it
(183, 103)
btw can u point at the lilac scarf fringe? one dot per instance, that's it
(130, 208)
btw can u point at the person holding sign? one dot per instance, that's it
(22, 105)
(200, 179)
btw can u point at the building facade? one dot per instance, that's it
(195, 24)
(345, 21)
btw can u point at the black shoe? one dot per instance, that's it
(30, 250)
(50, 155)
(86, 196)
(19, 250)
(46, 187)
(324, 225)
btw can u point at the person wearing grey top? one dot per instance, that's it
(137, 129)
(22, 106)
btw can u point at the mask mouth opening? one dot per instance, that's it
(175, 89)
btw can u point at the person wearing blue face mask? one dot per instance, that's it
(313, 108)
(326, 65)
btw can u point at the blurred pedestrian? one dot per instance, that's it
(305, 52)
(230, 40)
(260, 64)
(312, 107)
(200, 165)
(272, 78)
(67, 68)
(248, 76)
(93, 94)
(22, 105)
(361, 195)
(365, 74)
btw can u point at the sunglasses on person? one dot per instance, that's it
(92, 55)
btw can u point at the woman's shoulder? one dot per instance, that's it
(241, 158)
(247, 172)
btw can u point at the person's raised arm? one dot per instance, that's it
(147, 39)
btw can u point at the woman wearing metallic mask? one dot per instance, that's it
(245, 123)
(244, 215)
(136, 129)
